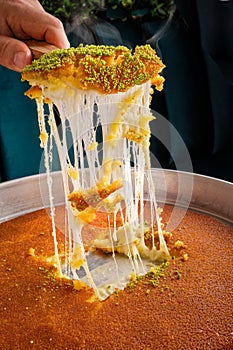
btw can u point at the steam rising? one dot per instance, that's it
(154, 40)
(89, 30)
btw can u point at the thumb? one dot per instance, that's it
(14, 54)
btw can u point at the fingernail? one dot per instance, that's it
(21, 59)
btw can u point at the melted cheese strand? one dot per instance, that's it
(44, 144)
(124, 116)
(110, 186)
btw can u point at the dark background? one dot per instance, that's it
(196, 46)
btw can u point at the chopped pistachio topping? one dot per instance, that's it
(108, 69)
(57, 58)
(50, 61)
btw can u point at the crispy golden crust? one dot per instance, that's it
(81, 200)
(107, 69)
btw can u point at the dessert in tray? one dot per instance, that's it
(178, 305)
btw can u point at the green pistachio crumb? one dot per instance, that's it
(107, 68)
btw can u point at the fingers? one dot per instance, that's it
(43, 26)
(22, 20)
(55, 33)
(14, 54)
(40, 25)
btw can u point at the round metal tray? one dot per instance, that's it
(191, 191)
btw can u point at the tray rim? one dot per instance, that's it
(202, 193)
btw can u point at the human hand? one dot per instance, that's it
(23, 20)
